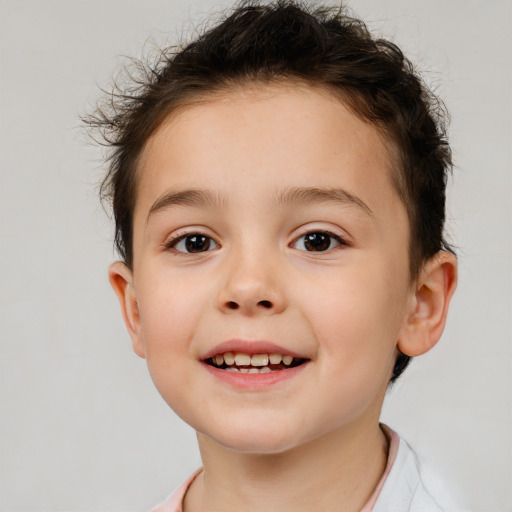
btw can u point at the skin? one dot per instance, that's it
(313, 438)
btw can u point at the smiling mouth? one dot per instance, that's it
(256, 363)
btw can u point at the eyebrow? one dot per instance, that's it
(316, 195)
(298, 195)
(189, 197)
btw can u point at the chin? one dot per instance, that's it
(254, 441)
(258, 448)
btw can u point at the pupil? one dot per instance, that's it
(317, 242)
(197, 243)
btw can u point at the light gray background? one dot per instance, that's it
(81, 426)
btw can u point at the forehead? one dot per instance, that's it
(278, 130)
(248, 147)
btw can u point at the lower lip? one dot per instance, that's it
(254, 381)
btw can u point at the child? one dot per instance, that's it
(278, 188)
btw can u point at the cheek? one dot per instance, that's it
(357, 318)
(169, 308)
(168, 319)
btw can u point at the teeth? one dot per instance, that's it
(259, 360)
(229, 358)
(257, 363)
(287, 360)
(275, 358)
(265, 369)
(242, 359)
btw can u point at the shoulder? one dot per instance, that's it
(174, 502)
(411, 486)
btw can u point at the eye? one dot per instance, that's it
(318, 241)
(193, 243)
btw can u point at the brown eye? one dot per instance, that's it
(317, 241)
(194, 243)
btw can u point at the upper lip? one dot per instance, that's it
(250, 347)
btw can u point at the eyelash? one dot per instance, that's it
(332, 236)
(175, 241)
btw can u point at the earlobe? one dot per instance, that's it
(121, 280)
(427, 317)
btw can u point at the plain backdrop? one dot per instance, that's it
(81, 426)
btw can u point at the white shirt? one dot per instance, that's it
(408, 486)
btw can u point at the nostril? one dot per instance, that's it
(265, 303)
(232, 305)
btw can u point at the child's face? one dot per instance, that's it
(301, 248)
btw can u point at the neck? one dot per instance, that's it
(338, 471)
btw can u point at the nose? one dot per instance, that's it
(251, 287)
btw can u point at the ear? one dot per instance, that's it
(427, 316)
(121, 279)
